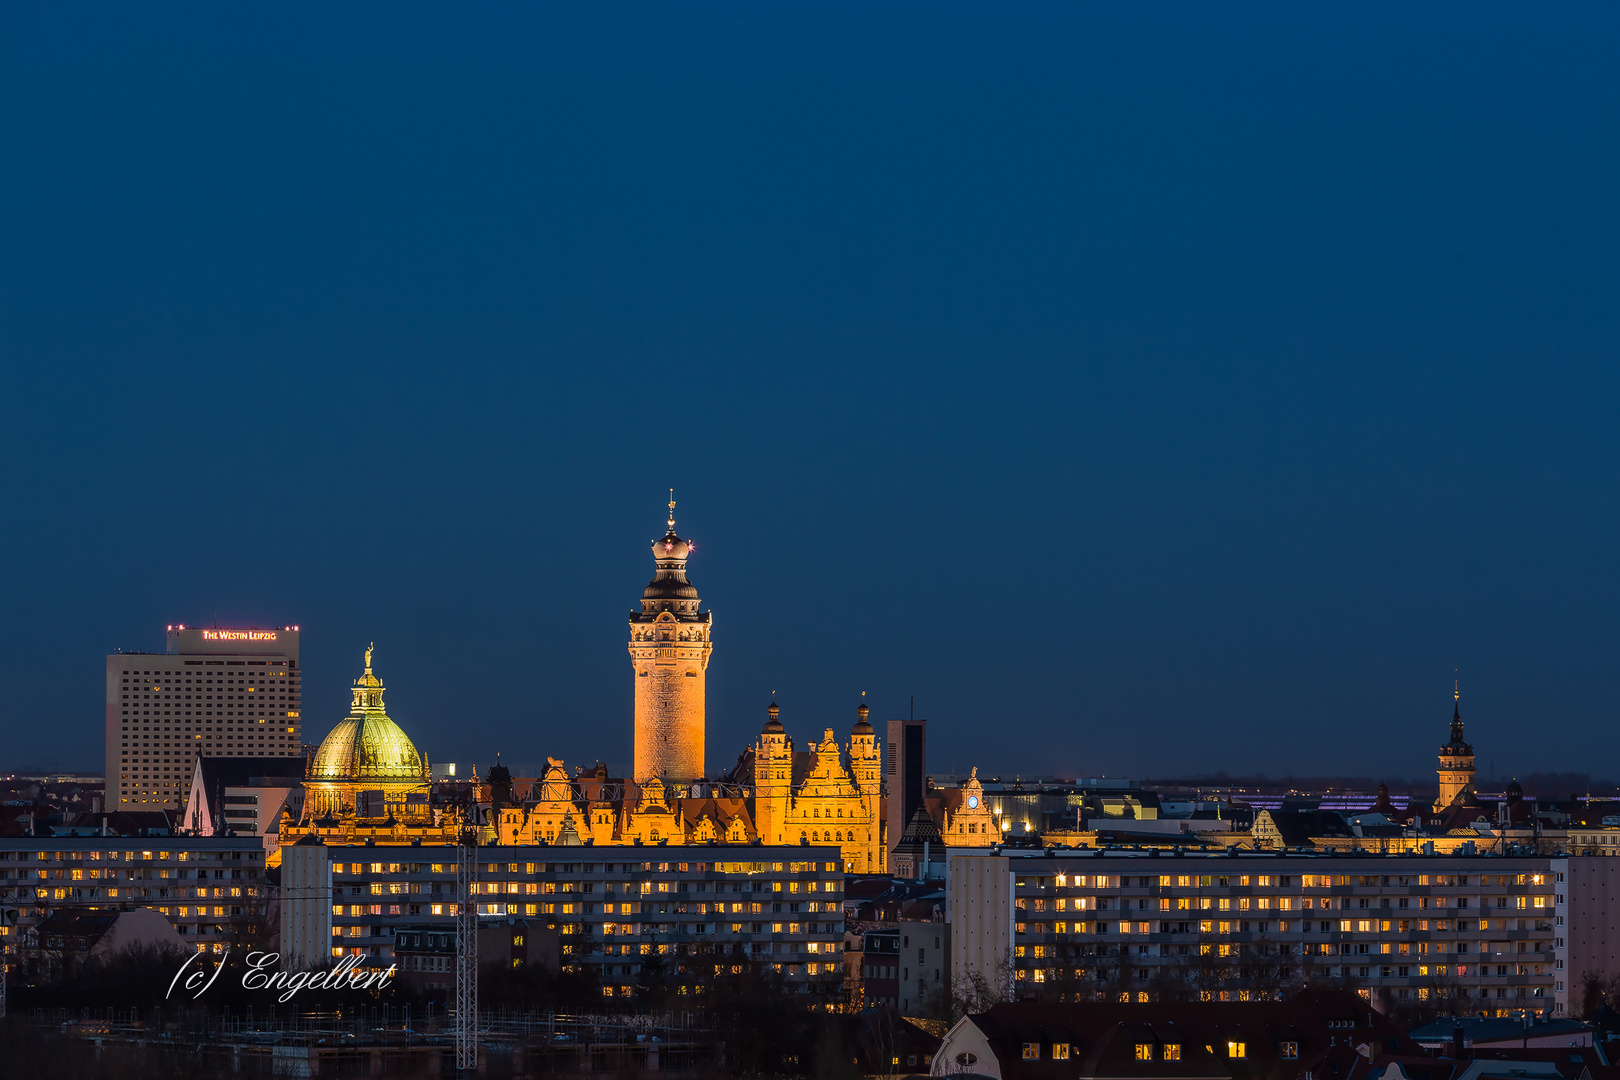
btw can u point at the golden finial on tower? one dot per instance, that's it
(671, 509)
(369, 650)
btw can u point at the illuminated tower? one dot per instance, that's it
(773, 778)
(669, 648)
(864, 763)
(1456, 769)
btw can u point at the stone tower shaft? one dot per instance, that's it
(670, 644)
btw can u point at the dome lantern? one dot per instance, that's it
(367, 744)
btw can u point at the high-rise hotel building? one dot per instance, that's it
(216, 692)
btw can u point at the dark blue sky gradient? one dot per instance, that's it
(1146, 389)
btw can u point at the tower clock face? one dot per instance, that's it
(973, 802)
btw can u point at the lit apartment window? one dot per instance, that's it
(1289, 1050)
(1237, 1050)
(1032, 1051)
(1144, 1051)
(1172, 1051)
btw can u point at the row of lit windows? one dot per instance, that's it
(1282, 903)
(609, 868)
(1386, 948)
(1283, 881)
(1324, 926)
(220, 663)
(111, 874)
(131, 855)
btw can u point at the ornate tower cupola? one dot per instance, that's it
(1456, 771)
(669, 650)
(773, 757)
(863, 755)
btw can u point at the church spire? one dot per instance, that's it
(671, 510)
(1456, 771)
(1456, 718)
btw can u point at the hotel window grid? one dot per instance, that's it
(173, 708)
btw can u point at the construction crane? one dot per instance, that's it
(467, 947)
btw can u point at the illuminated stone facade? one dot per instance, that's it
(1456, 771)
(670, 643)
(828, 795)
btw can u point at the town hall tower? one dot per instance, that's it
(669, 651)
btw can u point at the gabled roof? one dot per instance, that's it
(919, 829)
(1279, 1040)
(1297, 828)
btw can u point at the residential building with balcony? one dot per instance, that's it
(1501, 934)
(612, 908)
(211, 889)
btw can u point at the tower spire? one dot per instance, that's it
(671, 509)
(1456, 772)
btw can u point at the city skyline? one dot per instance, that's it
(1141, 394)
(670, 563)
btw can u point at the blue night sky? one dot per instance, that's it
(1147, 389)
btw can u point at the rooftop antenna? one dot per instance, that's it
(913, 707)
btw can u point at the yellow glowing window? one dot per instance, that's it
(1172, 1051)
(1237, 1050)
(1144, 1051)
(1032, 1051)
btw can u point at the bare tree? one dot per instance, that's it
(974, 991)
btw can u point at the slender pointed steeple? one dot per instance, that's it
(1457, 744)
(1456, 771)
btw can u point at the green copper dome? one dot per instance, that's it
(367, 745)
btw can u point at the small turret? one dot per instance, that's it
(863, 754)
